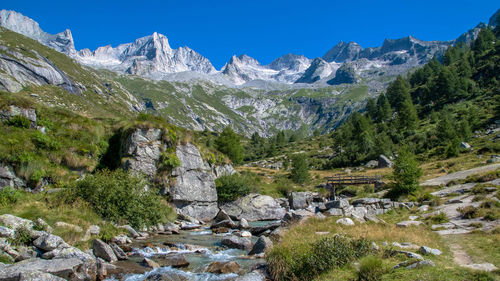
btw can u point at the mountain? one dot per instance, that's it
(343, 52)
(149, 56)
(62, 42)
(285, 69)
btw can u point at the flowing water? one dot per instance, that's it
(200, 248)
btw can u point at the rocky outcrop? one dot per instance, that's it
(223, 170)
(346, 74)
(9, 178)
(18, 71)
(193, 185)
(254, 207)
(300, 200)
(141, 151)
(11, 111)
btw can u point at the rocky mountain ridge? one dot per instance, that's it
(152, 57)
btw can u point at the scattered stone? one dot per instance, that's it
(149, 263)
(465, 145)
(374, 246)
(119, 253)
(322, 232)
(340, 204)
(319, 216)
(424, 250)
(40, 223)
(49, 242)
(345, 221)
(103, 250)
(245, 234)
(225, 223)
(261, 246)
(410, 255)
(335, 212)
(243, 224)
(130, 230)
(174, 260)
(172, 228)
(258, 230)
(189, 225)
(121, 239)
(38, 276)
(73, 227)
(237, 242)
(300, 200)
(420, 264)
(372, 164)
(224, 267)
(408, 223)
(222, 216)
(412, 218)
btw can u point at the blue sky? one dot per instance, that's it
(263, 29)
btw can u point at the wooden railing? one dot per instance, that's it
(352, 180)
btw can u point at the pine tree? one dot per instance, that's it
(397, 92)
(407, 116)
(384, 111)
(485, 40)
(300, 169)
(371, 108)
(229, 143)
(406, 172)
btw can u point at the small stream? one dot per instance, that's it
(200, 247)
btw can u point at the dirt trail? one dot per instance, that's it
(460, 256)
(443, 180)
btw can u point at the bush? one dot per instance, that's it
(9, 196)
(469, 212)
(169, 160)
(122, 198)
(371, 269)
(307, 262)
(232, 187)
(438, 218)
(300, 169)
(19, 121)
(43, 141)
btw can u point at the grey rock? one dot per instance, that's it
(149, 263)
(223, 170)
(49, 242)
(243, 224)
(345, 221)
(335, 212)
(340, 204)
(277, 234)
(371, 164)
(141, 150)
(43, 225)
(226, 223)
(14, 222)
(482, 267)
(421, 264)
(465, 145)
(6, 232)
(221, 216)
(172, 228)
(410, 255)
(38, 276)
(254, 207)
(300, 200)
(104, 251)
(346, 74)
(13, 110)
(408, 223)
(237, 242)
(72, 269)
(119, 253)
(130, 230)
(384, 162)
(194, 192)
(262, 245)
(427, 250)
(9, 178)
(174, 260)
(121, 239)
(73, 227)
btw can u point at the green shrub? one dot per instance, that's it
(307, 262)
(9, 196)
(19, 121)
(406, 173)
(232, 187)
(6, 259)
(469, 212)
(438, 218)
(22, 236)
(121, 197)
(491, 216)
(371, 268)
(169, 160)
(108, 231)
(43, 141)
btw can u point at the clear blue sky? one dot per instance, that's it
(263, 29)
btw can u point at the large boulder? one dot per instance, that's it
(223, 267)
(261, 246)
(384, 162)
(223, 170)
(254, 207)
(72, 269)
(193, 191)
(237, 242)
(300, 200)
(9, 178)
(49, 242)
(141, 151)
(14, 222)
(104, 251)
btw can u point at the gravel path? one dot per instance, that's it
(444, 180)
